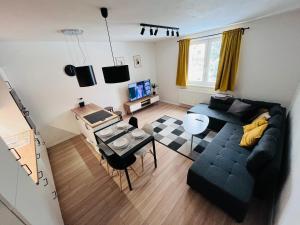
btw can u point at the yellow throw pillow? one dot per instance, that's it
(255, 123)
(251, 137)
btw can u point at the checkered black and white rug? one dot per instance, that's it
(170, 132)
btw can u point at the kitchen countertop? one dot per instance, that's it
(14, 125)
(88, 109)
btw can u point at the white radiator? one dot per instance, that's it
(194, 95)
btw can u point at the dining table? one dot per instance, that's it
(106, 142)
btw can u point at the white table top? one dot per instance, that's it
(195, 123)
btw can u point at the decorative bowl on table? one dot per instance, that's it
(122, 125)
(121, 143)
(137, 133)
(106, 132)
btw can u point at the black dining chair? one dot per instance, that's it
(133, 121)
(120, 164)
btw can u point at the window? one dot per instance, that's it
(204, 61)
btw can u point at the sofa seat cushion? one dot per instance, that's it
(220, 172)
(215, 114)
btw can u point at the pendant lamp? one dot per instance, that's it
(115, 73)
(85, 74)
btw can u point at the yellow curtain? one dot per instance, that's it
(229, 59)
(183, 62)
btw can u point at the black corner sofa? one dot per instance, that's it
(229, 175)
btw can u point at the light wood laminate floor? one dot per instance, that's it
(88, 195)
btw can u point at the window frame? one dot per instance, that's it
(207, 41)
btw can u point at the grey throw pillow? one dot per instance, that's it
(238, 108)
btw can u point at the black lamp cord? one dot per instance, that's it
(112, 54)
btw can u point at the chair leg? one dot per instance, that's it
(107, 167)
(142, 159)
(150, 151)
(134, 171)
(112, 173)
(120, 179)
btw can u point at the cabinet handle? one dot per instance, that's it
(38, 155)
(19, 157)
(27, 167)
(26, 112)
(40, 174)
(55, 194)
(46, 181)
(86, 126)
(38, 141)
(76, 117)
(6, 81)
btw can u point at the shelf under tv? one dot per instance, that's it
(133, 106)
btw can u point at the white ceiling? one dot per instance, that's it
(40, 20)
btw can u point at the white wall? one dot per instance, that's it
(288, 210)
(35, 69)
(269, 62)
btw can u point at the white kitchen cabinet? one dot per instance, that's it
(88, 131)
(38, 204)
(33, 202)
(8, 217)
(47, 181)
(8, 174)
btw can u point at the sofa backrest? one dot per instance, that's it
(264, 162)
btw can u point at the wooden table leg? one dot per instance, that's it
(154, 153)
(128, 180)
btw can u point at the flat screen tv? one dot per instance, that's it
(139, 90)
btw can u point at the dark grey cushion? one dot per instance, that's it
(215, 114)
(222, 104)
(220, 172)
(264, 151)
(276, 109)
(276, 121)
(238, 108)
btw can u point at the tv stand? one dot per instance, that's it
(133, 106)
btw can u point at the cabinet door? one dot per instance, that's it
(135, 107)
(8, 217)
(154, 99)
(47, 184)
(8, 173)
(30, 203)
(38, 204)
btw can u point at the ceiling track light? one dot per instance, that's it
(151, 31)
(170, 31)
(143, 31)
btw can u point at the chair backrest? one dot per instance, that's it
(148, 129)
(133, 121)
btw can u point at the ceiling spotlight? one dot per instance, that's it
(172, 33)
(155, 32)
(168, 32)
(151, 31)
(177, 33)
(143, 31)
